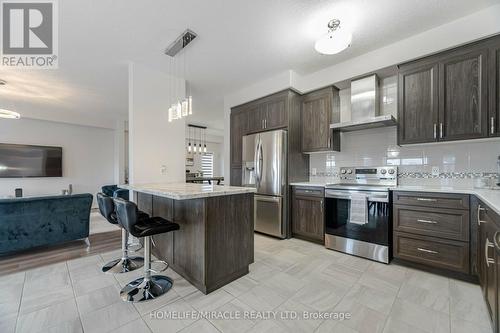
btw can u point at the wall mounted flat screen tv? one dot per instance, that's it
(20, 161)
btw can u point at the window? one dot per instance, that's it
(207, 164)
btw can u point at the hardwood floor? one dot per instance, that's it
(42, 256)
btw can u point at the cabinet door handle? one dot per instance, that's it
(427, 221)
(492, 125)
(479, 210)
(487, 245)
(435, 130)
(265, 123)
(441, 130)
(427, 251)
(426, 199)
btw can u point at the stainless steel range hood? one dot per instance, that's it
(365, 107)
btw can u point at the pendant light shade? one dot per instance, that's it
(335, 41)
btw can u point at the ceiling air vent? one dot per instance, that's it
(181, 42)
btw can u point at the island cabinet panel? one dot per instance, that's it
(230, 244)
(164, 207)
(418, 103)
(316, 116)
(189, 240)
(215, 242)
(463, 107)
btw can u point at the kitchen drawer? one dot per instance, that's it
(309, 191)
(430, 251)
(427, 199)
(436, 222)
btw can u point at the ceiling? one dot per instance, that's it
(239, 42)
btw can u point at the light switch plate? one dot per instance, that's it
(313, 171)
(435, 171)
(163, 170)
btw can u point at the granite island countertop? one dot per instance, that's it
(186, 191)
(491, 197)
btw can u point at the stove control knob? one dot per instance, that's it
(349, 171)
(343, 171)
(383, 171)
(391, 171)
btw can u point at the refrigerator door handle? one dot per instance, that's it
(261, 160)
(256, 163)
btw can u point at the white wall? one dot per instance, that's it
(156, 147)
(88, 156)
(469, 28)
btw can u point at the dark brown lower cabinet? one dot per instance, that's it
(488, 258)
(308, 218)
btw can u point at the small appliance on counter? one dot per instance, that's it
(358, 217)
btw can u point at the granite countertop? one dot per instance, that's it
(491, 197)
(185, 191)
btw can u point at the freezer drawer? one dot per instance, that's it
(268, 215)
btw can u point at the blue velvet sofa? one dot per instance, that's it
(29, 222)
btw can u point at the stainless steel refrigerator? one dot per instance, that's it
(264, 167)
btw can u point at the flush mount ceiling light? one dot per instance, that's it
(7, 114)
(335, 41)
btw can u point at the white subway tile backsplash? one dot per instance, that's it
(458, 163)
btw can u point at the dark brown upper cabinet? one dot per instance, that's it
(317, 113)
(268, 113)
(418, 103)
(453, 95)
(463, 95)
(494, 116)
(239, 125)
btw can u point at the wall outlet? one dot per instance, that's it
(163, 170)
(313, 171)
(435, 171)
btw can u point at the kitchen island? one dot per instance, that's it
(215, 243)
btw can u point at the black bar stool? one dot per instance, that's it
(125, 263)
(150, 286)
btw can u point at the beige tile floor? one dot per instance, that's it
(290, 275)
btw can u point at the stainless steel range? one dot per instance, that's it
(358, 214)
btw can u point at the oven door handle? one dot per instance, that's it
(369, 197)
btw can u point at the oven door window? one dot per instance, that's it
(376, 230)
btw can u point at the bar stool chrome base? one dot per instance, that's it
(126, 263)
(123, 265)
(141, 290)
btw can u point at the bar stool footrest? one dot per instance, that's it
(119, 266)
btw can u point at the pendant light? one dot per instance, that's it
(205, 140)
(335, 41)
(199, 147)
(189, 140)
(182, 105)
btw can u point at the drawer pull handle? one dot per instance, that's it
(479, 210)
(426, 251)
(487, 245)
(427, 221)
(426, 199)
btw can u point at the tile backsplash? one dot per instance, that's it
(459, 163)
